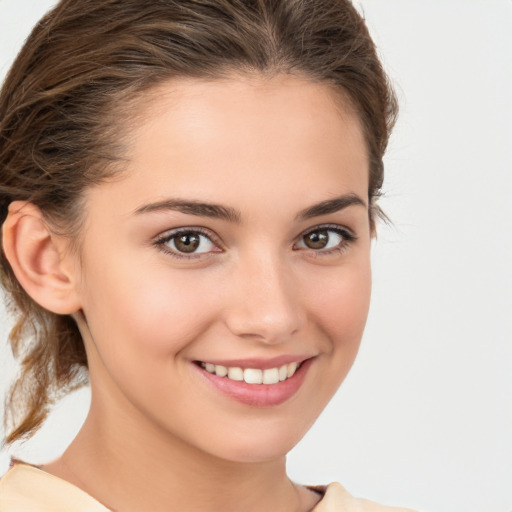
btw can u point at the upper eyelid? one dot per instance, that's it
(208, 231)
(332, 227)
(170, 233)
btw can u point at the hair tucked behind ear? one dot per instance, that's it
(66, 101)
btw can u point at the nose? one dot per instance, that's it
(264, 303)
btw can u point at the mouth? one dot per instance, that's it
(268, 376)
(247, 382)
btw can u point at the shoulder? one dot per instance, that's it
(338, 499)
(29, 489)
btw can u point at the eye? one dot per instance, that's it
(187, 243)
(325, 239)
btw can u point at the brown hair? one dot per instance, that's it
(80, 74)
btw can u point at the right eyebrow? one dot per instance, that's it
(191, 207)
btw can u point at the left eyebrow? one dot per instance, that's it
(331, 206)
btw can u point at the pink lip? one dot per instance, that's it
(258, 395)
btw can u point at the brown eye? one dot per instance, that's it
(325, 238)
(187, 242)
(317, 239)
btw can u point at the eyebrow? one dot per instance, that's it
(229, 214)
(191, 207)
(331, 206)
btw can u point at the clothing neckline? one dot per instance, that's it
(55, 488)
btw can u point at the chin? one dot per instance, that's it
(259, 444)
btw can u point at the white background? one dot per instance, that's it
(425, 417)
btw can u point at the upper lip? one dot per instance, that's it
(260, 363)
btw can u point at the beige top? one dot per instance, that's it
(25, 488)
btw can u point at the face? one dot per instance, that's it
(237, 241)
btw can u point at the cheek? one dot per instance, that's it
(341, 304)
(153, 312)
(340, 311)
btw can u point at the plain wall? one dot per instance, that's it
(424, 419)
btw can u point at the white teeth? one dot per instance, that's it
(219, 370)
(283, 372)
(253, 375)
(292, 368)
(271, 376)
(236, 373)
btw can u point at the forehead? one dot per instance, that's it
(243, 138)
(247, 105)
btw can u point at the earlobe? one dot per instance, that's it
(38, 259)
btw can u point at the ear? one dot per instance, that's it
(40, 259)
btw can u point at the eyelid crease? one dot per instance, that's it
(170, 233)
(334, 227)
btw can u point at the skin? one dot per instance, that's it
(158, 436)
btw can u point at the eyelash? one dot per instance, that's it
(348, 237)
(161, 242)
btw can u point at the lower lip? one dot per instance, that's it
(259, 395)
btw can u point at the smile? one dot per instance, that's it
(273, 383)
(253, 375)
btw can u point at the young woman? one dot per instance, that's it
(188, 194)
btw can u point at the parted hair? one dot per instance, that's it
(67, 100)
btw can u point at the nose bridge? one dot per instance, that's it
(265, 304)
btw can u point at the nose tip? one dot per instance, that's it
(266, 307)
(269, 326)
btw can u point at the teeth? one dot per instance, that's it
(292, 368)
(271, 376)
(253, 375)
(220, 371)
(235, 374)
